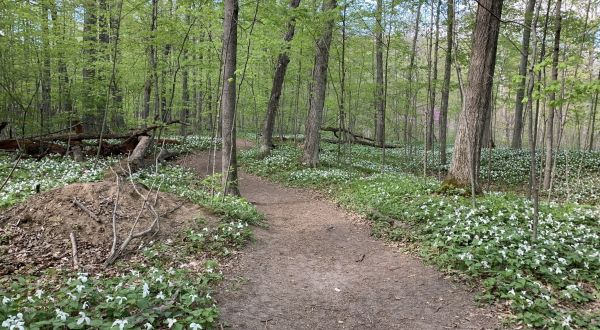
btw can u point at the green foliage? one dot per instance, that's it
(49, 172)
(549, 282)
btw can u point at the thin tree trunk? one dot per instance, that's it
(229, 53)
(516, 141)
(592, 120)
(431, 115)
(283, 60)
(446, 84)
(379, 97)
(317, 92)
(46, 78)
(411, 95)
(552, 100)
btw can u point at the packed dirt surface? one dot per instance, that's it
(316, 267)
(35, 234)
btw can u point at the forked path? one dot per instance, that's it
(316, 267)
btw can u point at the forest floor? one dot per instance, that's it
(315, 266)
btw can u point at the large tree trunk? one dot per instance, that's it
(46, 79)
(379, 92)
(552, 99)
(317, 92)
(266, 142)
(446, 85)
(518, 122)
(467, 146)
(229, 53)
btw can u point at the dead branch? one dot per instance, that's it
(353, 135)
(11, 172)
(114, 217)
(86, 210)
(364, 143)
(74, 250)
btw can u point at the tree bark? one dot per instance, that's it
(446, 84)
(411, 96)
(317, 92)
(229, 53)
(266, 142)
(90, 117)
(592, 119)
(379, 92)
(467, 147)
(46, 78)
(517, 134)
(552, 99)
(431, 115)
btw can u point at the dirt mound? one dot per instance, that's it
(34, 235)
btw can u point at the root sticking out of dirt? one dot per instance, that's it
(36, 235)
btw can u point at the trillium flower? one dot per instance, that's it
(109, 298)
(83, 277)
(170, 322)
(80, 288)
(135, 273)
(83, 319)
(148, 326)
(193, 297)
(146, 290)
(85, 305)
(566, 322)
(120, 323)
(39, 293)
(14, 322)
(121, 299)
(6, 300)
(160, 296)
(61, 315)
(195, 326)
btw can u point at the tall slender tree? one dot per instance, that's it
(446, 84)
(431, 114)
(467, 147)
(266, 142)
(228, 99)
(552, 99)
(379, 93)
(312, 130)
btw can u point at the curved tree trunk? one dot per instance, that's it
(266, 142)
(317, 92)
(467, 146)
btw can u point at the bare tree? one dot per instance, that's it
(379, 97)
(431, 115)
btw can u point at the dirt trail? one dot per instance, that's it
(316, 267)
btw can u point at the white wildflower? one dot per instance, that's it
(171, 322)
(83, 319)
(120, 323)
(195, 326)
(61, 315)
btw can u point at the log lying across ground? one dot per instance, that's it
(43, 145)
(355, 138)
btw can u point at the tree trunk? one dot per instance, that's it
(229, 54)
(46, 78)
(90, 117)
(592, 120)
(446, 84)
(379, 97)
(317, 92)
(467, 147)
(517, 133)
(552, 99)
(411, 95)
(431, 115)
(266, 142)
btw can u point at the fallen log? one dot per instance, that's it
(34, 148)
(354, 136)
(136, 159)
(364, 143)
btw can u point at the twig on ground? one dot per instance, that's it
(114, 217)
(74, 250)
(86, 210)
(11, 172)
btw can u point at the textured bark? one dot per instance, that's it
(592, 119)
(552, 98)
(151, 61)
(229, 53)
(46, 78)
(431, 114)
(517, 133)
(317, 92)
(446, 85)
(266, 142)
(467, 146)
(379, 92)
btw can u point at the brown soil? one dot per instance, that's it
(34, 235)
(316, 267)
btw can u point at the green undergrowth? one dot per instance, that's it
(551, 282)
(168, 285)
